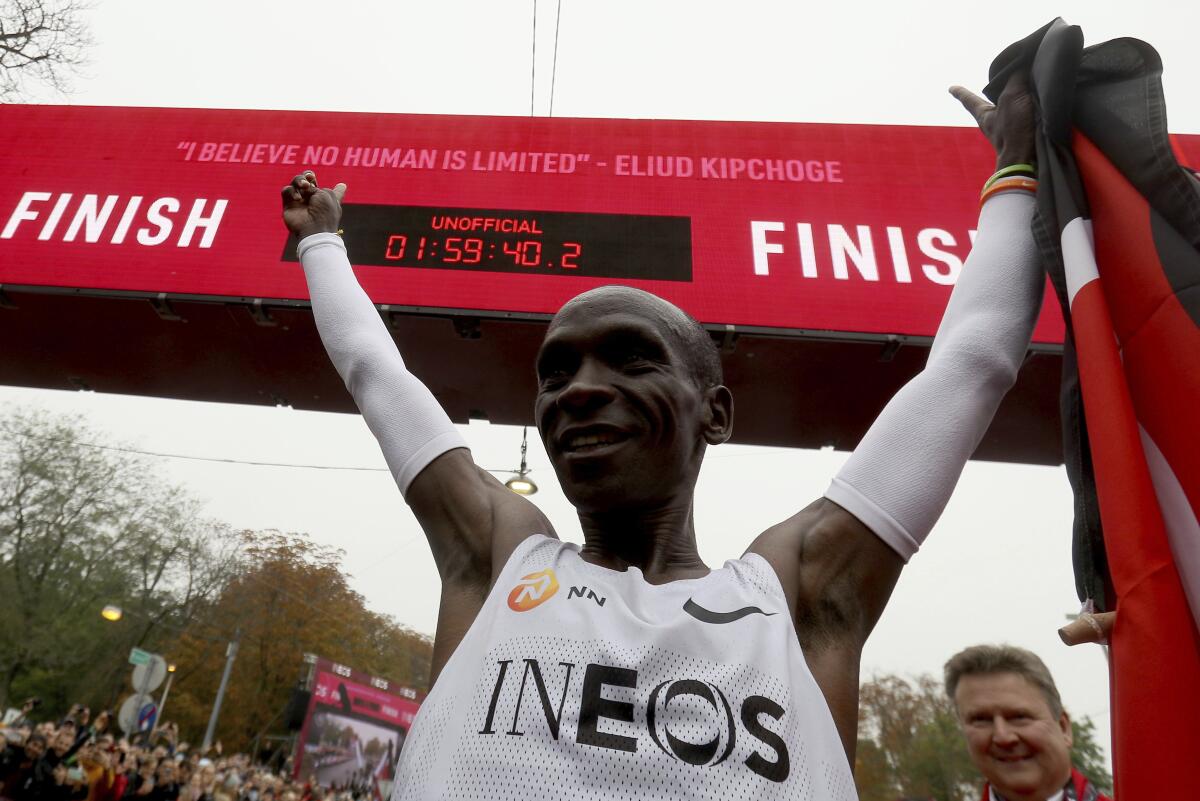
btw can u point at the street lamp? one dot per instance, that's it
(230, 654)
(162, 702)
(520, 483)
(114, 613)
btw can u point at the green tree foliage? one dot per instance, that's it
(1088, 756)
(289, 598)
(81, 527)
(910, 744)
(41, 41)
(84, 524)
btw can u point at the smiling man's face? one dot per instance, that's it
(622, 414)
(1013, 736)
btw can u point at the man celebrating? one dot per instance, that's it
(627, 668)
(1017, 732)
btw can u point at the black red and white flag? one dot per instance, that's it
(1118, 223)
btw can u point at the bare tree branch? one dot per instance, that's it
(41, 41)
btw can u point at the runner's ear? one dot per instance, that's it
(718, 415)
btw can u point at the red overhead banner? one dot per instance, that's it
(838, 228)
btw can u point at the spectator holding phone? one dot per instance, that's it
(104, 783)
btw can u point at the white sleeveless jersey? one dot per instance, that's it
(579, 682)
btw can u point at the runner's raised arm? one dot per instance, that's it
(839, 559)
(471, 520)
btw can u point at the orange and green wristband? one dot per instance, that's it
(1020, 177)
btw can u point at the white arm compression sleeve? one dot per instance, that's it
(901, 475)
(401, 412)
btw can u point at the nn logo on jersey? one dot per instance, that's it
(533, 590)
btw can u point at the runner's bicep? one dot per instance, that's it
(847, 570)
(835, 571)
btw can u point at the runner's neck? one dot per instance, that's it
(661, 543)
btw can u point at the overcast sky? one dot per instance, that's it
(997, 567)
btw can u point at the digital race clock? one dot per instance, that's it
(638, 246)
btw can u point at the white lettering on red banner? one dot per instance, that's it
(832, 228)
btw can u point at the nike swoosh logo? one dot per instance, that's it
(708, 616)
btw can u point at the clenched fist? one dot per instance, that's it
(308, 209)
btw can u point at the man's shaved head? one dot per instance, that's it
(694, 343)
(629, 396)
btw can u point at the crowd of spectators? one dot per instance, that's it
(81, 758)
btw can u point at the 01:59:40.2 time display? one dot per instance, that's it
(466, 251)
